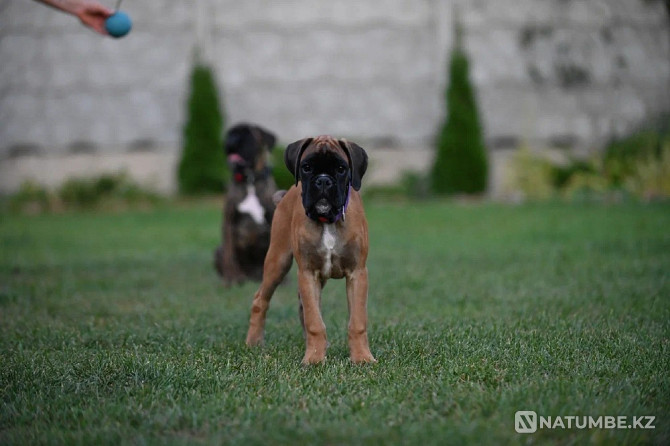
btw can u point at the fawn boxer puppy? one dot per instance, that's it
(321, 223)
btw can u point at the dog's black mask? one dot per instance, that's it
(325, 180)
(326, 177)
(245, 147)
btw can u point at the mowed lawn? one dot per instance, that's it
(114, 329)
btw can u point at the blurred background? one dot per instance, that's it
(563, 78)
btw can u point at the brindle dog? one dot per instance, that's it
(249, 208)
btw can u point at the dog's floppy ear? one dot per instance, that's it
(269, 139)
(292, 156)
(358, 161)
(264, 137)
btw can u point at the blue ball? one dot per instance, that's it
(118, 24)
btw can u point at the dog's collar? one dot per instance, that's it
(340, 215)
(244, 173)
(250, 177)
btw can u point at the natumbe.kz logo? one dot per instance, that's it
(528, 422)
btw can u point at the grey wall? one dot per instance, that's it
(551, 72)
(64, 88)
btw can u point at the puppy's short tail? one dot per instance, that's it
(277, 196)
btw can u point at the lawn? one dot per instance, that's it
(115, 330)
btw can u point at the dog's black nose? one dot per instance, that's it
(323, 182)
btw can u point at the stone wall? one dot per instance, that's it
(566, 73)
(569, 73)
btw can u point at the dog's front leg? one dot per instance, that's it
(357, 297)
(277, 264)
(230, 270)
(314, 328)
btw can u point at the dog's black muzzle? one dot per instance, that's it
(324, 202)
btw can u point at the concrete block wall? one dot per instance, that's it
(64, 88)
(570, 73)
(566, 73)
(360, 69)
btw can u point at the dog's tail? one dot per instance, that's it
(277, 196)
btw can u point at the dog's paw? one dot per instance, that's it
(254, 339)
(363, 358)
(231, 283)
(233, 279)
(314, 355)
(313, 359)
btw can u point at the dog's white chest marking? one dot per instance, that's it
(328, 240)
(252, 206)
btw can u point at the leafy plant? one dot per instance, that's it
(531, 175)
(562, 174)
(622, 155)
(637, 166)
(461, 164)
(586, 186)
(202, 168)
(281, 174)
(94, 192)
(83, 192)
(650, 176)
(30, 198)
(115, 190)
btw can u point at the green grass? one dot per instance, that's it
(115, 330)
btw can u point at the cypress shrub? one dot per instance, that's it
(202, 168)
(461, 163)
(281, 174)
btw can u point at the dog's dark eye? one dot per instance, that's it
(306, 168)
(341, 169)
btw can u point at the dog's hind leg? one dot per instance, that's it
(273, 274)
(218, 260)
(301, 313)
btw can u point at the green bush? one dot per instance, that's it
(87, 193)
(531, 175)
(650, 176)
(31, 198)
(585, 186)
(281, 174)
(561, 175)
(202, 168)
(637, 166)
(115, 191)
(84, 192)
(461, 163)
(622, 155)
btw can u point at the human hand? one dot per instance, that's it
(93, 15)
(90, 12)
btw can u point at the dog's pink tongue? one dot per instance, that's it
(235, 158)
